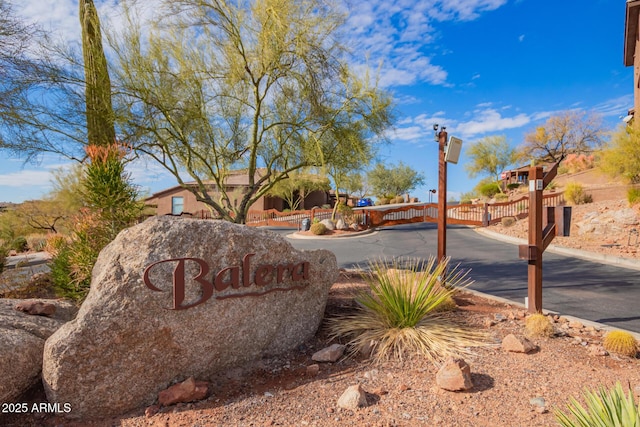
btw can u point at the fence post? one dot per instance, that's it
(485, 215)
(313, 214)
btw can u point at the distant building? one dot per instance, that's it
(179, 200)
(632, 51)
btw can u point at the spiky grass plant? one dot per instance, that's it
(610, 408)
(539, 325)
(400, 314)
(620, 342)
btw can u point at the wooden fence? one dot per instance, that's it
(482, 214)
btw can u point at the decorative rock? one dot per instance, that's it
(340, 225)
(517, 344)
(538, 401)
(22, 339)
(187, 391)
(353, 398)
(329, 224)
(454, 375)
(151, 411)
(329, 354)
(36, 308)
(574, 324)
(313, 370)
(247, 294)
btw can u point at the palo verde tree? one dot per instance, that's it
(490, 156)
(299, 184)
(621, 156)
(570, 132)
(393, 181)
(260, 86)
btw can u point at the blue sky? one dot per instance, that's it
(478, 67)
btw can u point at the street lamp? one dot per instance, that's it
(431, 193)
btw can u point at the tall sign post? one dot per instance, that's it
(558, 223)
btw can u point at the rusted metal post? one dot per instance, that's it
(442, 197)
(535, 239)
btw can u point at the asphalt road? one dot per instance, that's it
(588, 290)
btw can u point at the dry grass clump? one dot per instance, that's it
(318, 229)
(539, 325)
(402, 313)
(620, 342)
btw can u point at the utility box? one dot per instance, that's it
(563, 220)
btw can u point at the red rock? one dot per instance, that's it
(187, 391)
(151, 411)
(517, 344)
(454, 375)
(37, 308)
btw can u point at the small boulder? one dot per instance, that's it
(36, 308)
(341, 225)
(454, 375)
(329, 224)
(189, 390)
(517, 344)
(353, 398)
(329, 354)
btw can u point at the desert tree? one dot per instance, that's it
(569, 132)
(261, 86)
(620, 157)
(393, 181)
(297, 186)
(489, 156)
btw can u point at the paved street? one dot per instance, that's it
(588, 290)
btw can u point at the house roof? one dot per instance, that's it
(630, 30)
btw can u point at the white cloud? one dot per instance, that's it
(490, 120)
(394, 33)
(26, 177)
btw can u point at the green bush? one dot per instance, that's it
(465, 201)
(19, 244)
(3, 256)
(384, 201)
(513, 185)
(489, 189)
(36, 242)
(318, 229)
(604, 409)
(501, 197)
(574, 194)
(402, 313)
(633, 196)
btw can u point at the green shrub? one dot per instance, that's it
(574, 194)
(633, 196)
(501, 197)
(513, 185)
(36, 242)
(489, 189)
(19, 244)
(3, 256)
(620, 342)
(318, 229)
(604, 409)
(402, 313)
(507, 221)
(384, 201)
(465, 201)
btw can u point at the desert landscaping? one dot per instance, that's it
(510, 385)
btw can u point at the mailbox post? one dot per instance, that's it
(558, 222)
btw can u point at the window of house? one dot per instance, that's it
(177, 205)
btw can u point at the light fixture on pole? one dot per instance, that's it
(441, 137)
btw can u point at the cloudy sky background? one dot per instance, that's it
(478, 67)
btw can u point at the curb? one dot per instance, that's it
(560, 250)
(295, 235)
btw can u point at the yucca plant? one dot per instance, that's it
(401, 312)
(610, 408)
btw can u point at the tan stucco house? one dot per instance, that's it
(179, 200)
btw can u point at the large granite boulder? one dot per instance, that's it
(22, 338)
(177, 298)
